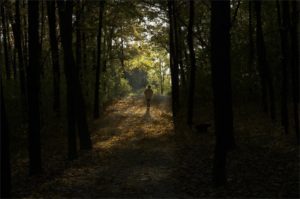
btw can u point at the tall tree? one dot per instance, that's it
(42, 21)
(78, 36)
(65, 23)
(263, 65)
(98, 66)
(5, 41)
(5, 154)
(10, 27)
(251, 42)
(221, 82)
(295, 64)
(18, 44)
(54, 54)
(173, 60)
(33, 82)
(283, 22)
(75, 101)
(190, 41)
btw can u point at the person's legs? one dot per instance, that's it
(148, 103)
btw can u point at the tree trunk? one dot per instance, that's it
(221, 82)
(84, 51)
(264, 69)
(251, 42)
(283, 22)
(295, 64)
(42, 32)
(190, 41)
(11, 49)
(78, 38)
(75, 100)
(98, 66)
(173, 60)
(25, 41)
(5, 154)
(33, 82)
(5, 42)
(18, 43)
(179, 46)
(65, 22)
(54, 55)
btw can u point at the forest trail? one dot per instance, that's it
(133, 154)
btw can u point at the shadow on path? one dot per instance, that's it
(133, 155)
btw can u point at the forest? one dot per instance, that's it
(150, 98)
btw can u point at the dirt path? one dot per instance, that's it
(133, 155)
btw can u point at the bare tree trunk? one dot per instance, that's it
(12, 51)
(78, 38)
(18, 43)
(33, 82)
(5, 152)
(173, 60)
(5, 42)
(98, 66)
(283, 23)
(55, 55)
(65, 23)
(190, 40)
(76, 103)
(295, 64)
(42, 32)
(251, 42)
(25, 40)
(221, 81)
(264, 69)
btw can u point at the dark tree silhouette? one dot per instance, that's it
(5, 154)
(18, 44)
(251, 42)
(178, 37)
(75, 101)
(295, 64)
(5, 41)
(283, 22)
(263, 65)
(190, 40)
(98, 67)
(173, 60)
(78, 36)
(42, 22)
(221, 82)
(65, 22)
(54, 54)
(33, 83)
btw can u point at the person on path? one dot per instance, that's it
(148, 95)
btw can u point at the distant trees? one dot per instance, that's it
(100, 47)
(221, 83)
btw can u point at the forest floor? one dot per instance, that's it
(138, 154)
(133, 155)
